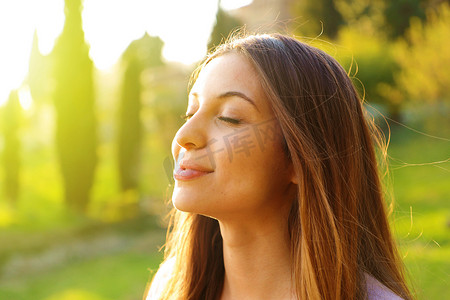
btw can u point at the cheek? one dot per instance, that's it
(254, 149)
(252, 169)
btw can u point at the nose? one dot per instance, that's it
(192, 135)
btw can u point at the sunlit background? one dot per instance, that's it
(90, 99)
(184, 30)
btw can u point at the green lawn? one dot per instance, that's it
(421, 181)
(123, 276)
(95, 261)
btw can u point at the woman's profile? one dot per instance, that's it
(277, 191)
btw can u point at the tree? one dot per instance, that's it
(398, 13)
(424, 58)
(73, 97)
(225, 24)
(318, 15)
(10, 123)
(140, 55)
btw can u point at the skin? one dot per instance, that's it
(249, 193)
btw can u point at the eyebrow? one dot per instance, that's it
(230, 94)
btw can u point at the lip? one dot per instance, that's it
(187, 170)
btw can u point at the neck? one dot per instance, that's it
(257, 259)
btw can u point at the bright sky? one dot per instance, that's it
(109, 26)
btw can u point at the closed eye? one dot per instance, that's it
(186, 117)
(230, 120)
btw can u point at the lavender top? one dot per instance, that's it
(377, 291)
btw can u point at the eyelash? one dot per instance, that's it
(230, 120)
(224, 119)
(186, 117)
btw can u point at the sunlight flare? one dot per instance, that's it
(25, 98)
(109, 26)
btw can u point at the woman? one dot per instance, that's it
(277, 192)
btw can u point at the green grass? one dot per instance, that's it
(116, 277)
(421, 220)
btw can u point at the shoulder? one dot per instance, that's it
(377, 291)
(160, 279)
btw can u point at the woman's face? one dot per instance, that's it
(229, 155)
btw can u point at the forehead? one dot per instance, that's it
(229, 72)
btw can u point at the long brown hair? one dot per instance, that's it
(338, 224)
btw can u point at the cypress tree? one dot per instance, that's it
(10, 159)
(141, 54)
(73, 97)
(225, 24)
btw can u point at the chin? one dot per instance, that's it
(182, 206)
(193, 205)
(184, 202)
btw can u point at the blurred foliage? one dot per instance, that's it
(11, 119)
(318, 16)
(225, 24)
(424, 58)
(141, 54)
(367, 16)
(393, 53)
(399, 12)
(74, 102)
